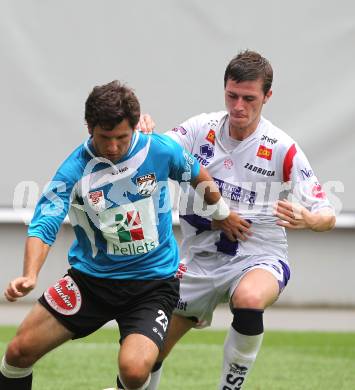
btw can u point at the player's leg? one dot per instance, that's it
(256, 290)
(39, 333)
(137, 356)
(177, 328)
(144, 329)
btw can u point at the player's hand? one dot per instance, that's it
(234, 227)
(19, 287)
(146, 124)
(293, 215)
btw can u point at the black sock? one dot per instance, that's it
(15, 383)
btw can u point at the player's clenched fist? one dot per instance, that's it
(235, 227)
(19, 287)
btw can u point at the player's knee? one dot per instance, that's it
(248, 298)
(134, 373)
(20, 354)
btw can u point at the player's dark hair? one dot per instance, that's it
(249, 66)
(109, 104)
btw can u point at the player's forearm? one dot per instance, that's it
(36, 252)
(206, 187)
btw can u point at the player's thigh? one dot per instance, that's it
(137, 353)
(257, 289)
(39, 333)
(149, 314)
(177, 328)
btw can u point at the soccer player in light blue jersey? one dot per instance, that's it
(124, 259)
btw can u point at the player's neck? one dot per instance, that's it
(241, 133)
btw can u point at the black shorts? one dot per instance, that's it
(83, 304)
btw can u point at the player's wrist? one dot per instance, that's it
(222, 210)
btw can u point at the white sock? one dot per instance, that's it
(155, 379)
(239, 355)
(143, 387)
(14, 372)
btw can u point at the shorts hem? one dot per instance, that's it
(160, 347)
(67, 326)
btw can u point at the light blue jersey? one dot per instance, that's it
(120, 212)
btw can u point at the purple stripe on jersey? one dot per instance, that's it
(200, 223)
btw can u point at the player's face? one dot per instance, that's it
(244, 102)
(112, 144)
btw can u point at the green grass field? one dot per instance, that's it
(287, 361)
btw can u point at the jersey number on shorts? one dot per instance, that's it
(162, 320)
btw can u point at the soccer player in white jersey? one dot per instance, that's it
(124, 258)
(255, 165)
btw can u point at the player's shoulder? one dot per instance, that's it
(74, 164)
(274, 136)
(210, 118)
(162, 143)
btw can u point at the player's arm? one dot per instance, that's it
(49, 214)
(309, 208)
(295, 216)
(222, 217)
(36, 252)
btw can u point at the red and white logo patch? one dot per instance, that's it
(264, 152)
(96, 200)
(181, 270)
(64, 297)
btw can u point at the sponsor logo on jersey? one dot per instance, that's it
(207, 151)
(130, 229)
(179, 129)
(211, 136)
(228, 163)
(201, 160)
(264, 152)
(146, 184)
(64, 297)
(213, 123)
(259, 170)
(235, 193)
(129, 226)
(120, 170)
(96, 200)
(271, 141)
(307, 173)
(317, 191)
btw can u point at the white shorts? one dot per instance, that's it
(209, 280)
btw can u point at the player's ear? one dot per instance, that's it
(267, 96)
(90, 130)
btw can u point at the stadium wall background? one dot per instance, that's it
(322, 265)
(174, 54)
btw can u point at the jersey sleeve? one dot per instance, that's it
(185, 133)
(305, 185)
(183, 166)
(53, 204)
